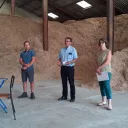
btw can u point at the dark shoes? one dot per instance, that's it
(62, 98)
(65, 98)
(72, 99)
(32, 96)
(24, 95)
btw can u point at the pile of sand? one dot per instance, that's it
(86, 33)
(120, 70)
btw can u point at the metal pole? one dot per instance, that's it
(2, 3)
(12, 7)
(45, 24)
(110, 24)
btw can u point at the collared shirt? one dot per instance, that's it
(27, 57)
(68, 54)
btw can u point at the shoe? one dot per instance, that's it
(109, 107)
(24, 95)
(109, 104)
(32, 96)
(63, 98)
(101, 104)
(72, 99)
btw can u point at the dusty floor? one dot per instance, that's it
(47, 112)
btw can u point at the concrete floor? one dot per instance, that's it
(47, 112)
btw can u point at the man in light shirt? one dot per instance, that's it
(67, 59)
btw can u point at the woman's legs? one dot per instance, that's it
(109, 104)
(103, 94)
(108, 91)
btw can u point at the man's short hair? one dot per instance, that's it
(69, 38)
(26, 42)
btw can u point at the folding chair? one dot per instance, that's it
(7, 95)
(11, 86)
(3, 106)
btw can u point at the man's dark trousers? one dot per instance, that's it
(67, 74)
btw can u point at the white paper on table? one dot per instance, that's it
(103, 76)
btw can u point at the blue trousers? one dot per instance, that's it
(105, 87)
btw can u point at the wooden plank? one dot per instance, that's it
(4, 95)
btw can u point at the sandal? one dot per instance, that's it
(101, 104)
(109, 107)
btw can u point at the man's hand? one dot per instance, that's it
(67, 63)
(71, 62)
(59, 63)
(27, 65)
(24, 68)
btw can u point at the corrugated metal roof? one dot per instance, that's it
(122, 5)
(68, 10)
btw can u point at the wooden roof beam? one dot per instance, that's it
(25, 3)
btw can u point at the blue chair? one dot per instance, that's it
(3, 106)
(7, 95)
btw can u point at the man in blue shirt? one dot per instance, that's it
(27, 59)
(67, 59)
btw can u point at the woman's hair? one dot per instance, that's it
(102, 41)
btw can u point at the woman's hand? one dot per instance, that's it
(98, 71)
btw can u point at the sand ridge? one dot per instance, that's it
(86, 33)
